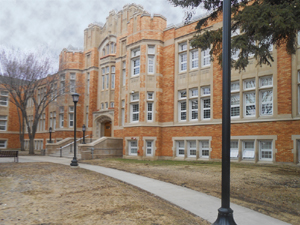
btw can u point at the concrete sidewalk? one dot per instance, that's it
(202, 205)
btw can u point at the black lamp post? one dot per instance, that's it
(83, 130)
(50, 131)
(75, 97)
(225, 216)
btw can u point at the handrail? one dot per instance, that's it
(71, 143)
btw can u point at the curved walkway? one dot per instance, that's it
(202, 205)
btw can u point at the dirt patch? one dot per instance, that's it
(45, 193)
(273, 190)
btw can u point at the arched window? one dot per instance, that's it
(103, 51)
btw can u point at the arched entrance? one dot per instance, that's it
(103, 127)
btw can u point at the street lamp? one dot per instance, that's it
(225, 216)
(75, 97)
(50, 131)
(83, 130)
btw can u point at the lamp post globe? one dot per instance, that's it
(74, 162)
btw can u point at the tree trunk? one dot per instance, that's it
(21, 130)
(31, 145)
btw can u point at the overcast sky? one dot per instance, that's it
(27, 24)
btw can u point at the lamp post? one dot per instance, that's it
(50, 131)
(83, 130)
(225, 216)
(75, 97)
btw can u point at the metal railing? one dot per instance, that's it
(71, 146)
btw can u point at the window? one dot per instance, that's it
(151, 59)
(3, 123)
(134, 107)
(107, 48)
(54, 121)
(194, 59)
(234, 149)
(266, 95)
(205, 57)
(4, 98)
(71, 116)
(103, 82)
(150, 111)
(124, 73)
(72, 82)
(112, 77)
(150, 96)
(149, 148)
(87, 117)
(265, 150)
(182, 47)
(248, 150)
(192, 148)
(62, 83)
(61, 117)
(102, 105)
(180, 148)
(135, 62)
(133, 147)
(193, 104)
(106, 105)
(3, 143)
(88, 84)
(112, 48)
(103, 51)
(235, 99)
(182, 62)
(107, 77)
(205, 102)
(112, 104)
(249, 98)
(204, 149)
(182, 105)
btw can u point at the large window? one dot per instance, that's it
(134, 107)
(103, 78)
(182, 57)
(194, 59)
(182, 105)
(205, 57)
(61, 116)
(205, 102)
(235, 99)
(192, 149)
(3, 123)
(71, 116)
(150, 104)
(4, 98)
(204, 149)
(234, 149)
(3, 143)
(107, 77)
(266, 95)
(180, 148)
(112, 77)
(135, 62)
(62, 83)
(124, 73)
(73, 82)
(248, 150)
(249, 98)
(151, 59)
(133, 147)
(149, 148)
(193, 104)
(265, 150)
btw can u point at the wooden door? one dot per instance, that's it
(107, 129)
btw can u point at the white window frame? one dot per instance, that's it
(268, 103)
(4, 125)
(134, 114)
(183, 62)
(151, 64)
(4, 95)
(205, 58)
(235, 106)
(194, 111)
(181, 111)
(150, 112)
(179, 148)
(71, 114)
(194, 59)
(4, 145)
(135, 62)
(203, 148)
(249, 104)
(149, 148)
(103, 82)
(205, 109)
(61, 120)
(234, 151)
(248, 153)
(191, 148)
(261, 151)
(131, 147)
(150, 96)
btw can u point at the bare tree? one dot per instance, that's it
(25, 76)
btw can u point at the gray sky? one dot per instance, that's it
(27, 24)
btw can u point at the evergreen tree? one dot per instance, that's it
(262, 24)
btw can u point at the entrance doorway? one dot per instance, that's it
(107, 129)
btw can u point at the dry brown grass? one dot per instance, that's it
(45, 193)
(270, 189)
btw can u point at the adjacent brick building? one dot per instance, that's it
(140, 80)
